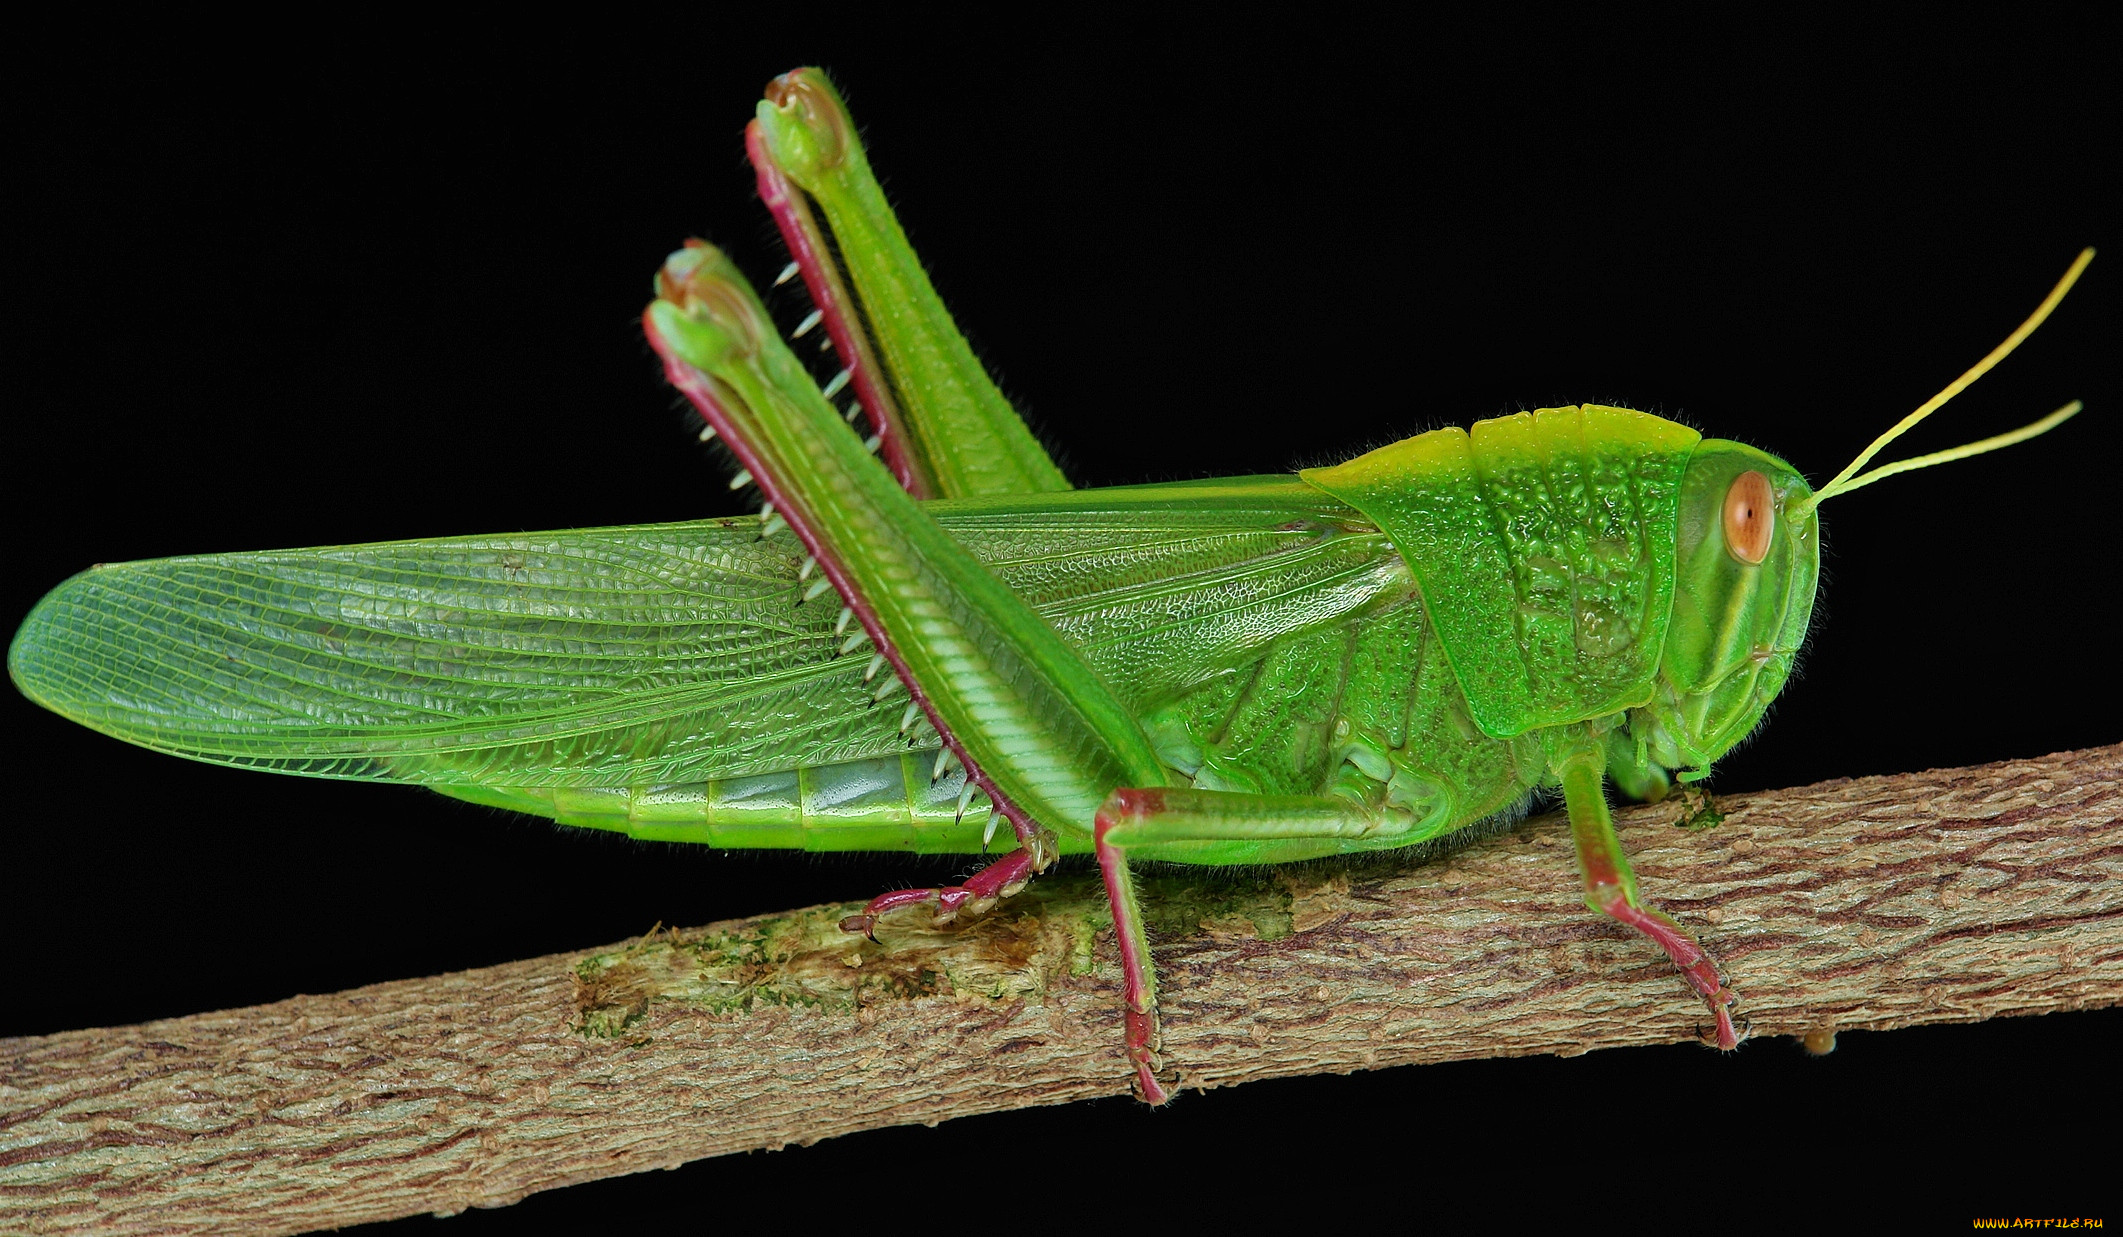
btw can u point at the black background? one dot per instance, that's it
(386, 285)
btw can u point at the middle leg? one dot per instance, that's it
(1145, 817)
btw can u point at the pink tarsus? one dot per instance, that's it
(1604, 883)
(1138, 1011)
(1695, 964)
(699, 390)
(998, 880)
(800, 232)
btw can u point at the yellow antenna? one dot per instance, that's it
(1845, 481)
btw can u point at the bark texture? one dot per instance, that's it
(1947, 896)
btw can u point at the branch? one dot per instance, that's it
(1948, 896)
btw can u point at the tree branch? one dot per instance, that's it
(1947, 896)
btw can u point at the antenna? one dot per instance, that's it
(1845, 481)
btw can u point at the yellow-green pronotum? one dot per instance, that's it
(927, 634)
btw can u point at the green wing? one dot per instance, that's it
(653, 654)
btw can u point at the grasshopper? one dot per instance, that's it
(926, 641)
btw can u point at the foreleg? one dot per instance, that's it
(1610, 888)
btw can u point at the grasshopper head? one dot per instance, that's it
(1749, 556)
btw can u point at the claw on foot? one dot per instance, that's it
(1141, 1031)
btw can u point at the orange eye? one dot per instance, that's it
(1750, 517)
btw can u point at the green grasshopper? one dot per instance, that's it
(911, 651)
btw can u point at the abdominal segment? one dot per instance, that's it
(888, 803)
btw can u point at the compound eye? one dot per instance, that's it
(1750, 517)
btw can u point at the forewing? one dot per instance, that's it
(652, 654)
(591, 657)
